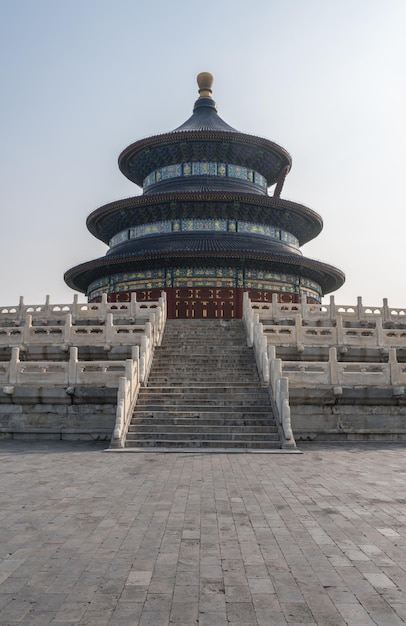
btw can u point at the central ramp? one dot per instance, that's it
(203, 392)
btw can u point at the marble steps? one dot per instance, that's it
(179, 444)
(202, 418)
(181, 434)
(203, 391)
(214, 382)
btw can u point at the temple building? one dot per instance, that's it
(205, 229)
(250, 356)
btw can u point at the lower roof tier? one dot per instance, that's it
(297, 219)
(202, 254)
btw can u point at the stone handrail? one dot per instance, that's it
(126, 375)
(108, 334)
(128, 388)
(103, 331)
(72, 372)
(136, 374)
(80, 311)
(85, 372)
(311, 311)
(303, 336)
(270, 370)
(333, 373)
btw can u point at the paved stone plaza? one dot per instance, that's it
(89, 537)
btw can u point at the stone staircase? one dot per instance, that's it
(203, 392)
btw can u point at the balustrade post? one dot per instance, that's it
(271, 353)
(129, 366)
(75, 307)
(394, 367)
(67, 338)
(109, 329)
(276, 372)
(152, 319)
(14, 362)
(246, 307)
(133, 304)
(304, 307)
(285, 420)
(386, 312)
(250, 333)
(277, 397)
(275, 306)
(47, 306)
(103, 308)
(73, 366)
(340, 333)
(332, 308)
(135, 354)
(142, 362)
(299, 333)
(158, 324)
(380, 338)
(283, 394)
(284, 388)
(360, 308)
(27, 329)
(165, 305)
(265, 367)
(333, 367)
(122, 402)
(21, 309)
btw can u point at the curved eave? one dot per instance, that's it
(111, 218)
(328, 277)
(144, 156)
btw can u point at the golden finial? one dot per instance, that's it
(205, 82)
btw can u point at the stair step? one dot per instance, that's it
(207, 430)
(201, 392)
(207, 443)
(199, 443)
(202, 436)
(199, 406)
(204, 416)
(163, 424)
(202, 407)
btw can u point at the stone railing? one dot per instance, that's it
(302, 336)
(52, 373)
(73, 372)
(16, 315)
(102, 329)
(126, 375)
(66, 335)
(136, 374)
(289, 327)
(333, 373)
(270, 370)
(128, 388)
(276, 310)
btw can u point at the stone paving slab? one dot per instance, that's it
(96, 539)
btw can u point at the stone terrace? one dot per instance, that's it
(92, 537)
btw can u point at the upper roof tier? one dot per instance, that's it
(204, 137)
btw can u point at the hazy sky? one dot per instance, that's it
(82, 79)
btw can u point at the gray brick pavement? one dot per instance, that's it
(94, 538)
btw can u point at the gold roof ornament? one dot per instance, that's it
(205, 81)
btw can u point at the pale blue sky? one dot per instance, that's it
(80, 80)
